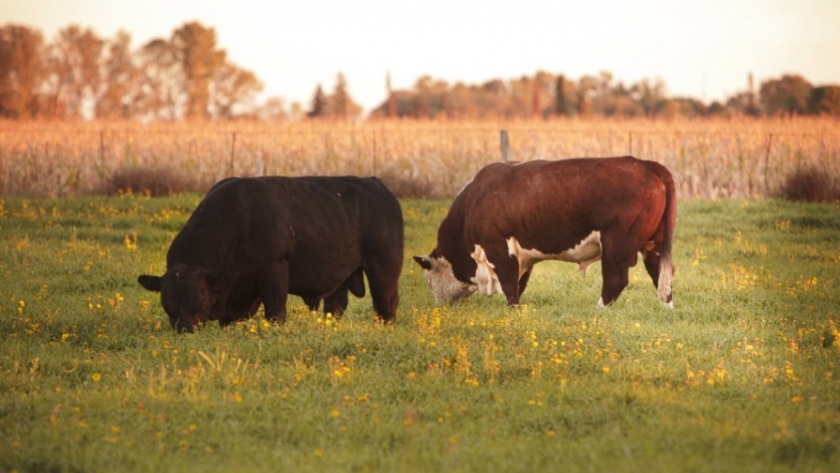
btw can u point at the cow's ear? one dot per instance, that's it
(424, 261)
(151, 283)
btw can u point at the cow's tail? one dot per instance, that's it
(666, 265)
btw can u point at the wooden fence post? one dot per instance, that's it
(767, 164)
(505, 144)
(373, 156)
(232, 153)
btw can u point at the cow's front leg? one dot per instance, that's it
(511, 291)
(504, 268)
(523, 280)
(273, 283)
(234, 313)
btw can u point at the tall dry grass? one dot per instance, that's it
(735, 158)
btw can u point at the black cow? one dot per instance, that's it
(512, 216)
(254, 240)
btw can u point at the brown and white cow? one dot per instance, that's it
(512, 216)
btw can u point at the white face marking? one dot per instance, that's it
(446, 288)
(585, 253)
(485, 275)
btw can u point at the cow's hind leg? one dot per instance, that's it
(336, 303)
(654, 265)
(651, 259)
(312, 303)
(383, 278)
(273, 284)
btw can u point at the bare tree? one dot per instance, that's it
(233, 88)
(21, 72)
(160, 93)
(120, 84)
(561, 92)
(585, 89)
(74, 71)
(648, 95)
(195, 47)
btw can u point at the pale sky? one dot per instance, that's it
(704, 49)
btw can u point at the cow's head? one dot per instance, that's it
(442, 281)
(187, 294)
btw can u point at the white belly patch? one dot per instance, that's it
(584, 253)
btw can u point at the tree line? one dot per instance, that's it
(80, 74)
(187, 76)
(546, 95)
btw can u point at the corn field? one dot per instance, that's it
(737, 158)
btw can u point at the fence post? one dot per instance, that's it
(630, 142)
(232, 153)
(102, 147)
(373, 156)
(767, 164)
(505, 144)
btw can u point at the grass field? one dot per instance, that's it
(743, 375)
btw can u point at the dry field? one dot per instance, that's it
(737, 158)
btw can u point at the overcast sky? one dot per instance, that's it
(704, 49)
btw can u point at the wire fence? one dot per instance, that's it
(718, 160)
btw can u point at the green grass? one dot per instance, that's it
(744, 375)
